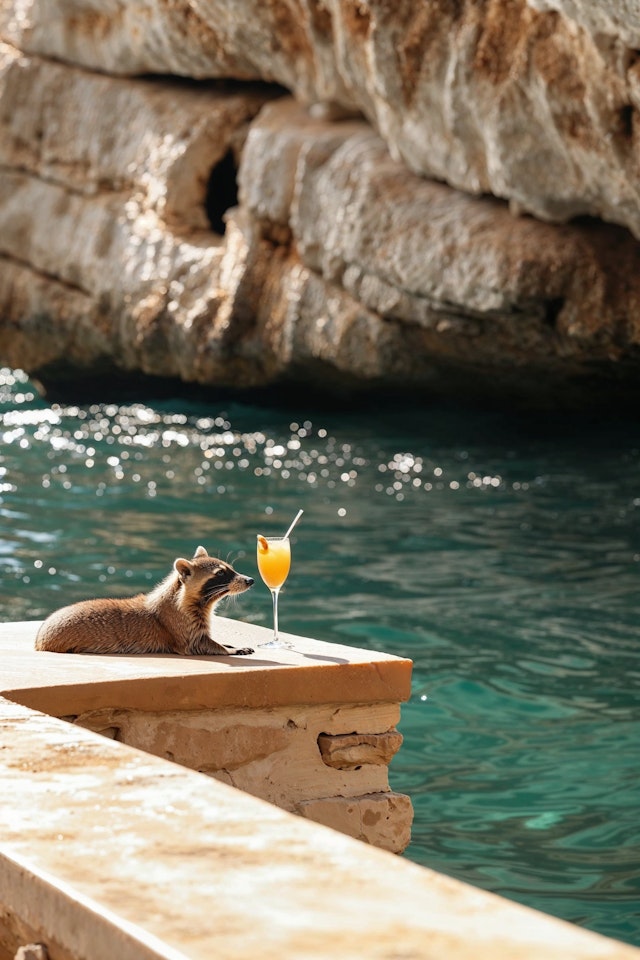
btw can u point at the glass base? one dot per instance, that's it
(277, 645)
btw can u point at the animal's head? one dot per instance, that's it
(207, 580)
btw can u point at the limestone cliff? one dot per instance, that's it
(350, 192)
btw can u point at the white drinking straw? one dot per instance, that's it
(295, 520)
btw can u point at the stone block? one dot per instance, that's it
(383, 819)
(352, 750)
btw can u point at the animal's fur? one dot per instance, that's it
(172, 618)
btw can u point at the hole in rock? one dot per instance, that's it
(552, 310)
(625, 121)
(222, 192)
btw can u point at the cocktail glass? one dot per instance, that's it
(274, 561)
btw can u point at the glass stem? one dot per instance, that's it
(274, 594)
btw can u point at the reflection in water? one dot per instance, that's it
(505, 564)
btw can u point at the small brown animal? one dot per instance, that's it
(173, 618)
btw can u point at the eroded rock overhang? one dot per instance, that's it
(321, 193)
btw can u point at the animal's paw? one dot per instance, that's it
(243, 651)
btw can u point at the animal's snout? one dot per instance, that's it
(239, 584)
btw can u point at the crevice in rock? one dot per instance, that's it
(625, 121)
(552, 310)
(51, 277)
(632, 58)
(358, 20)
(111, 733)
(222, 192)
(61, 184)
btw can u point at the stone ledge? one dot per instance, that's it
(109, 852)
(251, 722)
(315, 672)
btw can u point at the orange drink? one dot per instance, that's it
(274, 560)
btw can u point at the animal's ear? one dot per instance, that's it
(182, 568)
(200, 552)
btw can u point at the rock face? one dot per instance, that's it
(387, 225)
(617, 18)
(281, 755)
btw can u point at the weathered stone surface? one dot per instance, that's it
(288, 42)
(498, 98)
(386, 816)
(350, 751)
(272, 753)
(493, 97)
(109, 852)
(32, 951)
(118, 252)
(152, 142)
(615, 18)
(337, 265)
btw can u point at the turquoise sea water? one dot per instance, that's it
(501, 555)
